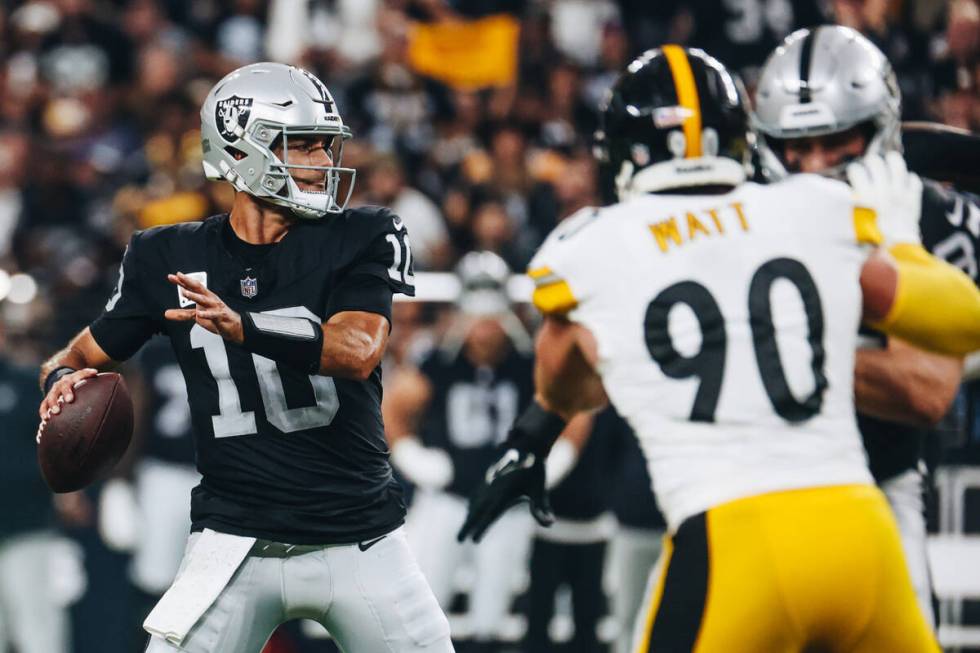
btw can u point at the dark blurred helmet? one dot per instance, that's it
(676, 118)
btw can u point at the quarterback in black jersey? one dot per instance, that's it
(901, 392)
(279, 315)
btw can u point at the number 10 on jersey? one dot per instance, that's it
(231, 420)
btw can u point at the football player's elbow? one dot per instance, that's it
(569, 401)
(927, 408)
(356, 368)
(930, 401)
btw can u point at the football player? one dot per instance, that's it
(720, 318)
(826, 97)
(445, 420)
(278, 314)
(638, 541)
(33, 619)
(164, 475)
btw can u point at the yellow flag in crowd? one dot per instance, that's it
(467, 54)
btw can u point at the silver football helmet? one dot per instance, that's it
(822, 81)
(483, 278)
(484, 293)
(259, 108)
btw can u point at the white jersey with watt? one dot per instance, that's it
(726, 328)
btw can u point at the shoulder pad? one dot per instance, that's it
(554, 266)
(173, 230)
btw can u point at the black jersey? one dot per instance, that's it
(950, 227)
(25, 501)
(586, 492)
(633, 500)
(284, 455)
(471, 410)
(742, 33)
(166, 421)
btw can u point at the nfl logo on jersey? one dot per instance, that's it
(250, 287)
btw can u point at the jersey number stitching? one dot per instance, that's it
(231, 420)
(708, 364)
(399, 271)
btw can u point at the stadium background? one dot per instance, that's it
(472, 120)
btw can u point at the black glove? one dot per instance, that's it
(516, 476)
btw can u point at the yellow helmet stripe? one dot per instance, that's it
(687, 96)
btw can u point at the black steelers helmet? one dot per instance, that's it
(676, 118)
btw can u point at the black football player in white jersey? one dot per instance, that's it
(827, 96)
(279, 315)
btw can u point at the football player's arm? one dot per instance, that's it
(79, 360)
(125, 324)
(566, 386)
(349, 345)
(406, 397)
(905, 384)
(907, 292)
(910, 294)
(565, 379)
(353, 344)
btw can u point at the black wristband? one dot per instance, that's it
(535, 430)
(295, 341)
(56, 374)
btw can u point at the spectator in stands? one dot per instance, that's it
(386, 186)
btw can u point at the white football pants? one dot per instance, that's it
(433, 521)
(163, 494)
(633, 552)
(371, 601)
(30, 617)
(904, 493)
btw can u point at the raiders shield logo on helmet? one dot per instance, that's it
(250, 287)
(231, 115)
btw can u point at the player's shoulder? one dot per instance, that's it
(566, 238)
(563, 259)
(369, 222)
(814, 205)
(939, 200)
(803, 188)
(175, 234)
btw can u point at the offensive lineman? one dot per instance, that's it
(814, 117)
(721, 319)
(279, 315)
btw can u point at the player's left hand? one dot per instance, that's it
(210, 312)
(516, 476)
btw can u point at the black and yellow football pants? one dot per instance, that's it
(812, 570)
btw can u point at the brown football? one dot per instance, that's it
(87, 438)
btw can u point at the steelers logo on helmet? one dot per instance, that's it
(231, 116)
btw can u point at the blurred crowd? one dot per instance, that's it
(99, 105)
(472, 120)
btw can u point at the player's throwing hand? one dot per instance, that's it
(210, 312)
